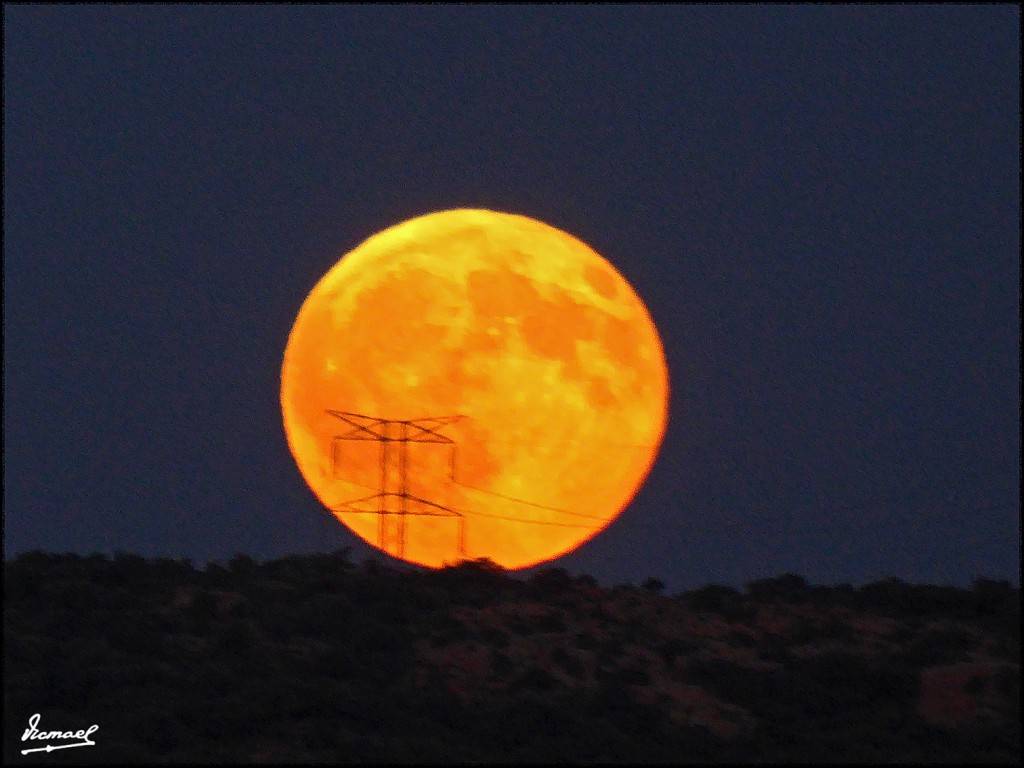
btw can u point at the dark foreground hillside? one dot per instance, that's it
(313, 659)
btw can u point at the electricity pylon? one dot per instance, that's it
(393, 502)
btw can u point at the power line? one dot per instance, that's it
(341, 508)
(394, 437)
(532, 522)
(530, 503)
(574, 441)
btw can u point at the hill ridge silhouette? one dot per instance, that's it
(314, 658)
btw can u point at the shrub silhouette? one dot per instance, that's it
(786, 588)
(713, 599)
(653, 585)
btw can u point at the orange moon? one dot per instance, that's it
(471, 384)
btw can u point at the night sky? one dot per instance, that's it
(819, 206)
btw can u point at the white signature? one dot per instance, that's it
(32, 732)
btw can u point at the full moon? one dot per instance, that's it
(472, 384)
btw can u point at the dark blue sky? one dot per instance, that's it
(820, 206)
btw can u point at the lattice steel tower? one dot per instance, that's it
(393, 502)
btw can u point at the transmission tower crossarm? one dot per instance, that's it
(450, 512)
(426, 429)
(361, 425)
(374, 428)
